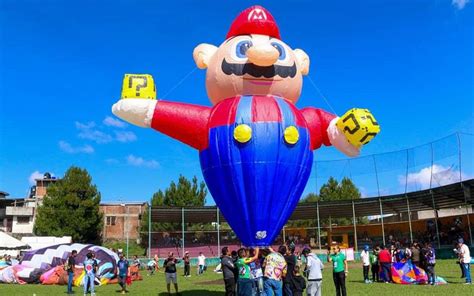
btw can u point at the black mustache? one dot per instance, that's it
(258, 71)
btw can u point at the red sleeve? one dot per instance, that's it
(184, 122)
(318, 122)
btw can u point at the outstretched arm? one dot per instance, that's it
(185, 122)
(323, 130)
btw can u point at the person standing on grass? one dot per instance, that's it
(245, 286)
(314, 271)
(298, 283)
(89, 274)
(290, 258)
(201, 263)
(228, 269)
(374, 262)
(275, 270)
(430, 259)
(151, 266)
(170, 272)
(465, 260)
(340, 270)
(365, 257)
(123, 271)
(257, 274)
(415, 254)
(70, 268)
(385, 259)
(187, 264)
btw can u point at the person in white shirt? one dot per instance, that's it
(465, 259)
(365, 257)
(201, 263)
(314, 268)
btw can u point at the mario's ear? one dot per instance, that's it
(303, 61)
(202, 54)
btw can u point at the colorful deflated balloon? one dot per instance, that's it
(255, 147)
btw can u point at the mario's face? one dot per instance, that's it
(252, 65)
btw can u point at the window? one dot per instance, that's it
(23, 220)
(110, 220)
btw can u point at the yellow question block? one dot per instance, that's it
(138, 86)
(359, 126)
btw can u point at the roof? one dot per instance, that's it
(445, 197)
(133, 203)
(47, 179)
(8, 242)
(4, 193)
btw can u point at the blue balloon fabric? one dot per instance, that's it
(257, 184)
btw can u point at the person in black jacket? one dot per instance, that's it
(290, 259)
(228, 270)
(298, 283)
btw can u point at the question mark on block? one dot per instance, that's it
(131, 78)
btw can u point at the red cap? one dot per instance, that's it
(254, 20)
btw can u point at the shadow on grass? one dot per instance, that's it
(195, 293)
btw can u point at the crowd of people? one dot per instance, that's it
(381, 258)
(282, 272)
(91, 267)
(266, 272)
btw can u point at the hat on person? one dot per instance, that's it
(254, 20)
(306, 251)
(460, 240)
(366, 247)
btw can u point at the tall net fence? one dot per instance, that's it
(381, 176)
(445, 161)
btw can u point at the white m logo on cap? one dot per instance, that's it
(257, 14)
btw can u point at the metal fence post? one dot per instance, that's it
(319, 226)
(149, 231)
(409, 218)
(436, 218)
(182, 231)
(381, 219)
(218, 232)
(355, 226)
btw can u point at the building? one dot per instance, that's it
(16, 215)
(39, 190)
(122, 220)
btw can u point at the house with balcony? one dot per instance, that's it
(16, 214)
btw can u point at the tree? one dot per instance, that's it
(185, 193)
(331, 191)
(71, 208)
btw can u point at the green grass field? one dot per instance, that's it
(211, 284)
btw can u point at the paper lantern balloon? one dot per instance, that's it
(255, 147)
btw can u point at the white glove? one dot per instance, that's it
(135, 111)
(338, 140)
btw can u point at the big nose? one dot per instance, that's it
(263, 55)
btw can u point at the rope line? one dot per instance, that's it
(321, 94)
(180, 82)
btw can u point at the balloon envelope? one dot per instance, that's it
(257, 182)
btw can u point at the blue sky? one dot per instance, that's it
(62, 64)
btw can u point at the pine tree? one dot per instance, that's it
(71, 208)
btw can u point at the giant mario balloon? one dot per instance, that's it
(255, 146)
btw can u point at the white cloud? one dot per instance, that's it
(66, 147)
(140, 162)
(34, 175)
(110, 121)
(87, 131)
(459, 4)
(125, 136)
(441, 175)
